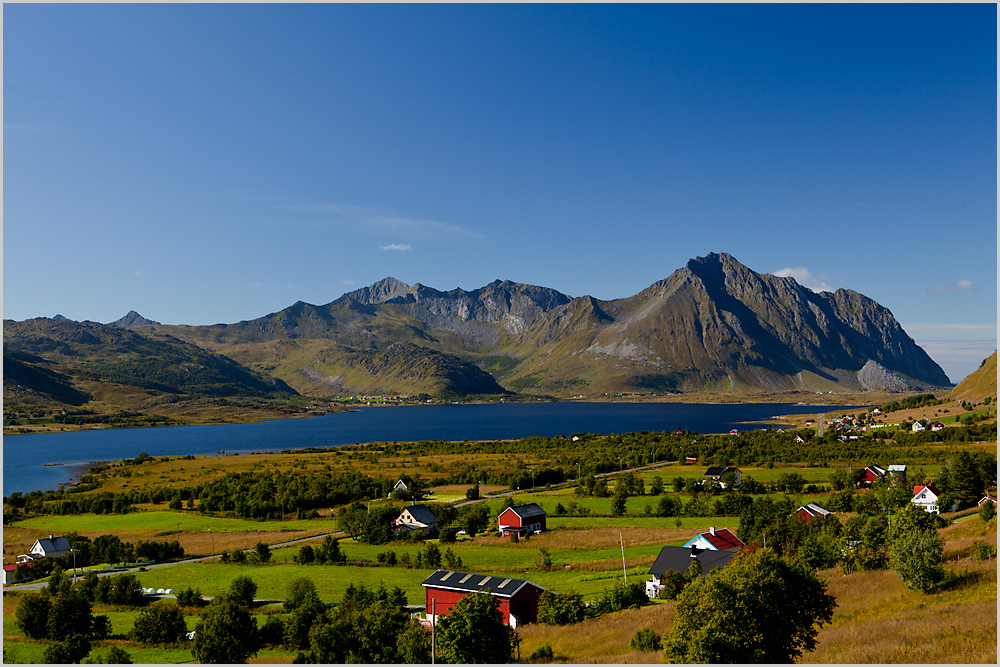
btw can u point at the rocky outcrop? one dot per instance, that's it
(133, 319)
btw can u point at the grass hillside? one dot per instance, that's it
(90, 371)
(980, 384)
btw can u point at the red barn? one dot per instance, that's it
(521, 519)
(518, 597)
(807, 512)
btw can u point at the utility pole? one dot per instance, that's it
(624, 571)
(578, 473)
(213, 540)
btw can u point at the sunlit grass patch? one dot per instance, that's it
(603, 640)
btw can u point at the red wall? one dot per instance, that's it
(447, 599)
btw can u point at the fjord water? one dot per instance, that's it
(25, 456)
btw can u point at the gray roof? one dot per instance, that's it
(719, 471)
(464, 581)
(421, 514)
(679, 559)
(525, 511)
(53, 544)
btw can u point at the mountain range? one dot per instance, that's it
(713, 324)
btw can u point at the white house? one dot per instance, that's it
(917, 426)
(417, 518)
(927, 498)
(53, 547)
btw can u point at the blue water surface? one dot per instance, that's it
(24, 456)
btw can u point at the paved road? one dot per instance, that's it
(42, 583)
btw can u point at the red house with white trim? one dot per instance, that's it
(521, 520)
(518, 598)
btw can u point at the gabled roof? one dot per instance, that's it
(503, 587)
(897, 468)
(52, 544)
(679, 559)
(812, 509)
(722, 539)
(719, 471)
(421, 514)
(525, 511)
(917, 490)
(878, 470)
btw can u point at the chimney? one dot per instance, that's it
(694, 551)
(711, 530)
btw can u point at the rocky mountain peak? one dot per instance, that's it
(133, 319)
(381, 291)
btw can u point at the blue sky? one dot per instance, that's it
(214, 163)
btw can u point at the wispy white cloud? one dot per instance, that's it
(348, 282)
(960, 286)
(412, 228)
(402, 247)
(806, 278)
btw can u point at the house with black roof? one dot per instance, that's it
(417, 518)
(679, 559)
(518, 598)
(716, 473)
(521, 520)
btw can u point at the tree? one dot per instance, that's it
(124, 590)
(87, 586)
(301, 621)
(760, 609)
(69, 615)
(987, 511)
(159, 625)
(73, 649)
(656, 488)
(562, 609)
(917, 558)
(189, 597)
(33, 614)
(263, 552)
(300, 591)
(227, 633)
(413, 645)
(474, 632)
(618, 502)
(305, 555)
(58, 581)
(243, 589)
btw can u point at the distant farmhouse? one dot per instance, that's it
(716, 473)
(810, 511)
(417, 519)
(53, 547)
(518, 598)
(871, 475)
(927, 497)
(521, 520)
(679, 559)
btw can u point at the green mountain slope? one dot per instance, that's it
(59, 350)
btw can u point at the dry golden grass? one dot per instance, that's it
(878, 621)
(600, 640)
(594, 538)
